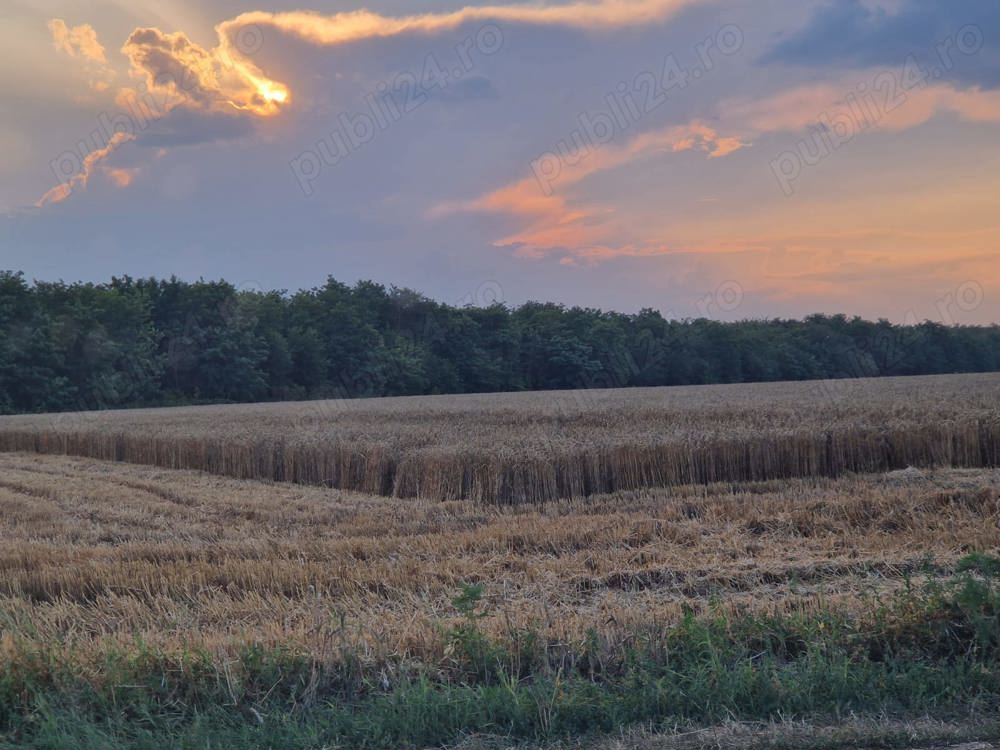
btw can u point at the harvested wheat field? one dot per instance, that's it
(94, 551)
(129, 591)
(533, 447)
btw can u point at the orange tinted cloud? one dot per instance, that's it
(80, 42)
(77, 41)
(972, 105)
(555, 220)
(352, 26)
(120, 177)
(63, 190)
(805, 106)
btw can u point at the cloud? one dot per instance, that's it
(823, 105)
(178, 71)
(78, 181)
(555, 220)
(862, 34)
(224, 77)
(341, 28)
(121, 177)
(80, 42)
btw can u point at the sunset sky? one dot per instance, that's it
(720, 159)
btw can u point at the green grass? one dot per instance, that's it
(930, 650)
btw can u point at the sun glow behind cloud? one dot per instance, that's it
(224, 73)
(177, 72)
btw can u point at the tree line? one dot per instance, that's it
(145, 342)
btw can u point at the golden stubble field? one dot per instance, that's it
(535, 447)
(97, 556)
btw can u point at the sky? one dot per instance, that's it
(723, 159)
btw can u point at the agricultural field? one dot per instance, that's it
(780, 565)
(144, 607)
(544, 446)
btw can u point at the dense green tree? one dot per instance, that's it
(135, 342)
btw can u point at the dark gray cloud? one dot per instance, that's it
(851, 32)
(186, 127)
